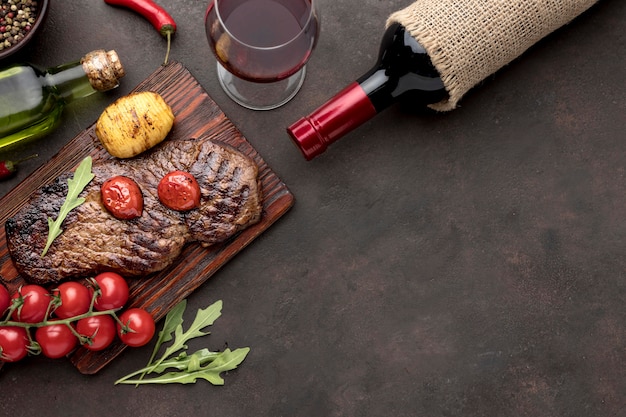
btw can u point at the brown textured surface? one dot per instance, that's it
(197, 116)
(470, 264)
(94, 241)
(469, 40)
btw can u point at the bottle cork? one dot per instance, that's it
(103, 68)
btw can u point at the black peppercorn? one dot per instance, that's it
(16, 20)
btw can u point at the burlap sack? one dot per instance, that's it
(468, 40)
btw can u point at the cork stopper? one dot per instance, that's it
(103, 68)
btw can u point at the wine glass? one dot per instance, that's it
(262, 47)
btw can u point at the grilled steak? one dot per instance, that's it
(94, 241)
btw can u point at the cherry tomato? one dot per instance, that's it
(34, 301)
(122, 197)
(13, 343)
(56, 340)
(74, 297)
(113, 291)
(100, 330)
(179, 191)
(5, 299)
(138, 327)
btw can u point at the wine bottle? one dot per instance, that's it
(466, 40)
(32, 100)
(403, 72)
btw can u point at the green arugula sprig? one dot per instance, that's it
(82, 177)
(184, 368)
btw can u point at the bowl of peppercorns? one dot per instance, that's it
(20, 20)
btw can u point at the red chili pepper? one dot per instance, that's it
(8, 168)
(155, 14)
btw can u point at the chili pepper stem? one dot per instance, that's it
(168, 35)
(26, 158)
(8, 167)
(155, 14)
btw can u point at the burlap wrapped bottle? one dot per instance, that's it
(468, 40)
(432, 53)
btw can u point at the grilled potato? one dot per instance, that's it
(134, 123)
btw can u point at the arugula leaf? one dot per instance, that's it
(227, 361)
(82, 177)
(204, 318)
(181, 363)
(224, 361)
(184, 368)
(173, 320)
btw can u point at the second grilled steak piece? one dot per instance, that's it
(94, 241)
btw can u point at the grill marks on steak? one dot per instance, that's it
(94, 241)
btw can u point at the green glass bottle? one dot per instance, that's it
(32, 100)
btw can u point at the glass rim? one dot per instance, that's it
(261, 48)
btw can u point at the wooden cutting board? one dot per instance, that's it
(196, 115)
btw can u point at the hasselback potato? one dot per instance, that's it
(134, 123)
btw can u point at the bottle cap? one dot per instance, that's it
(306, 138)
(348, 109)
(103, 68)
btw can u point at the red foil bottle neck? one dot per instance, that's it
(347, 110)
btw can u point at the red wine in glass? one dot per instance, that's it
(262, 41)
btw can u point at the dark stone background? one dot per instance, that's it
(461, 264)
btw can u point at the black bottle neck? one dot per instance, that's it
(403, 71)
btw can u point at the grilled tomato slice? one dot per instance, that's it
(122, 197)
(179, 191)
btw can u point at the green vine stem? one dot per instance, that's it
(67, 321)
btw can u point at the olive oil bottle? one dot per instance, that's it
(32, 100)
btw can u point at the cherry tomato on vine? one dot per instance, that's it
(13, 343)
(56, 340)
(138, 327)
(179, 191)
(34, 300)
(113, 291)
(122, 197)
(5, 299)
(100, 331)
(74, 299)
